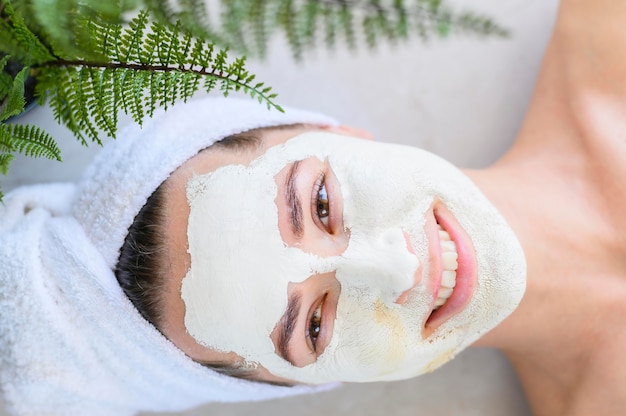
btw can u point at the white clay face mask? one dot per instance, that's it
(235, 292)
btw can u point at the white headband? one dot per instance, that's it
(70, 340)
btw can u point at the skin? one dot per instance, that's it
(560, 187)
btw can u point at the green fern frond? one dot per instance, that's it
(14, 101)
(471, 22)
(6, 81)
(129, 48)
(17, 39)
(61, 86)
(258, 13)
(5, 85)
(4, 61)
(102, 103)
(346, 19)
(247, 25)
(5, 161)
(232, 18)
(378, 20)
(65, 30)
(330, 27)
(193, 16)
(144, 66)
(28, 140)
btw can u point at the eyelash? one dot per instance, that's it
(315, 321)
(321, 209)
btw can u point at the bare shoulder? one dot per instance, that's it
(591, 42)
(589, 46)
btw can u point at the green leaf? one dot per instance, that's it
(4, 61)
(5, 79)
(25, 139)
(19, 38)
(5, 85)
(443, 28)
(5, 161)
(29, 140)
(63, 20)
(15, 99)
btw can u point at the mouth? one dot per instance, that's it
(456, 276)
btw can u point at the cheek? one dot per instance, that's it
(369, 341)
(373, 331)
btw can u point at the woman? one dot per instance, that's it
(565, 347)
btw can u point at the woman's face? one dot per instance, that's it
(328, 258)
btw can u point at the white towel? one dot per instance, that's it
(71, 343)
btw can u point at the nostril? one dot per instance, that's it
(403, 297)
(393, 238)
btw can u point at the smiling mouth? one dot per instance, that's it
(458, 279)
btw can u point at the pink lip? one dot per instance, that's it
(466, 274)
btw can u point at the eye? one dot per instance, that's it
(322, 205)
(315, 327)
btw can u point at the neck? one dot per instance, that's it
(551, 197)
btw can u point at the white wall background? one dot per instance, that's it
(463, 98)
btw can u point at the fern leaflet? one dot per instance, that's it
(14, 103)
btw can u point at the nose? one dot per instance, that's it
(385, 263)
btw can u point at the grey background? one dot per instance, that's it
(463, 98)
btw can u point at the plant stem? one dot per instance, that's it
(132, 66)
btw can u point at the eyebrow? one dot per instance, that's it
(286, 327)
(293, 201)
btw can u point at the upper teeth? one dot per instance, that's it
(449, 260)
